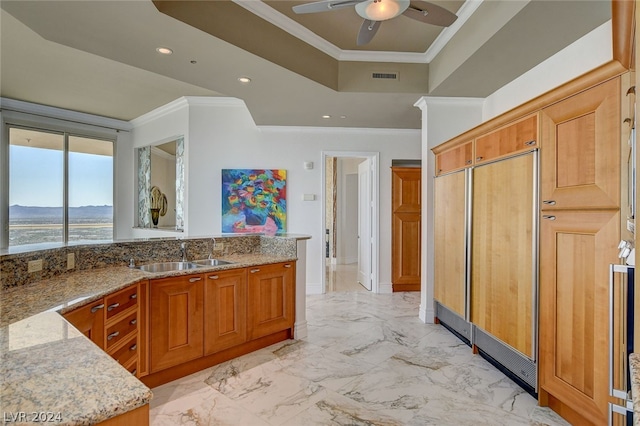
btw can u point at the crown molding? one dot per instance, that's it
(159, 112)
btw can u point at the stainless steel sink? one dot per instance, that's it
(167, 266)
(211, 262)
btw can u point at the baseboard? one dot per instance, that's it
(427, 316)
(314, 288)
(385, 288)
(300, 330)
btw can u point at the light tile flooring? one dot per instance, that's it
(368, 360)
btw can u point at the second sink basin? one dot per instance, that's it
(211, 262)
(167, 266)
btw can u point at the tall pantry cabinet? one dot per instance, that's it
(580, 231)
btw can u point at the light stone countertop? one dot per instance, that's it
(49, 366)
(634, 369)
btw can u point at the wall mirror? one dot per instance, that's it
(161, 185)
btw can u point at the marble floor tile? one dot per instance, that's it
(368, 360)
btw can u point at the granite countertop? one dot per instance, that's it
(634, 369)
(49, 366)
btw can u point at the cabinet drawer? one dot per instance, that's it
(513, 138)
(121, 329)
(455, 158)
(127, 351)
(121, 301)
(132, 366)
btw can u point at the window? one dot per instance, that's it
(60, 187)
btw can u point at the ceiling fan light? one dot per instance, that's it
(381, 10)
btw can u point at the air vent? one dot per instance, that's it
(384, 75)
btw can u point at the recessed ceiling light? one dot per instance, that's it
(244, 80)
(343, 116)
(164, 50)
(326, 116)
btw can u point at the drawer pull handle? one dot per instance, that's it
(287, 265)
(530, 143)
(193, 280)
(95, 308)
(133, 296)
(549, 202)
(253, 271)
(133, 347)
(112, 307)
(134, 372)
(112, 335)
(549, 217)
(479, 158)
(133, 321)
(213, 277)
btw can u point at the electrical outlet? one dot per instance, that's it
(218, 246)
(71, 260)
(34, 266)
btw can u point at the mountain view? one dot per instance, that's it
(33, 224)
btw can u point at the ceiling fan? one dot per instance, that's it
(375, 11)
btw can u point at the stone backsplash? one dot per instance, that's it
(14, 267)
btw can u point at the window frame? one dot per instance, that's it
(14, 119)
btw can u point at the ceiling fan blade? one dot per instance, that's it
(324, 6)
(430, 13)
(367, 31)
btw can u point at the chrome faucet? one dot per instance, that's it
(213, 247)
(183, 251)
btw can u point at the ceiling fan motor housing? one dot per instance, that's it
(381, 10)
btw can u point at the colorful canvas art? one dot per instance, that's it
(254, 201)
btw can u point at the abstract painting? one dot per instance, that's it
(254, 201)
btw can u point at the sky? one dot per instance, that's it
(36, 178)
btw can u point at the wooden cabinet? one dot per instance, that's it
(577, 247)
(580, 231)
(502, 265)
(508, 140)
(450, 239)
(89, 320)
(406, 228)
(114, 323)
(581, 154)
(454, 158)
(225, 315)
(270, 299)
(175, 320)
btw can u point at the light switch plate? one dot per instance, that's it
(218, 246)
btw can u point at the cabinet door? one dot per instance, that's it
(581, 150)
(406, 228)
(89, 320)
(508, 140)
(455, 158)
(175, 323)
(271, 298)
(450, 242)
(225, 305)
(502, 251)
(577, 248)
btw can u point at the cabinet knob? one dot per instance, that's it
(112, 307)
(469, 161)
(95, 308)
(548, 217)
(549, 202)
(253, 271)
(213, 277)
(288, 265)
(112, 335)
(193, 280)
(530, 143)
(479, 158)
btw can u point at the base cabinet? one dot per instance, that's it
(89, 320)
(225, 316)
(271, 299)
(176, 320)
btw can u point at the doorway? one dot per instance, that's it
(350, 221)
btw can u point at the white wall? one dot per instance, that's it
(220, 134)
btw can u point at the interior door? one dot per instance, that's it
(364, 224)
